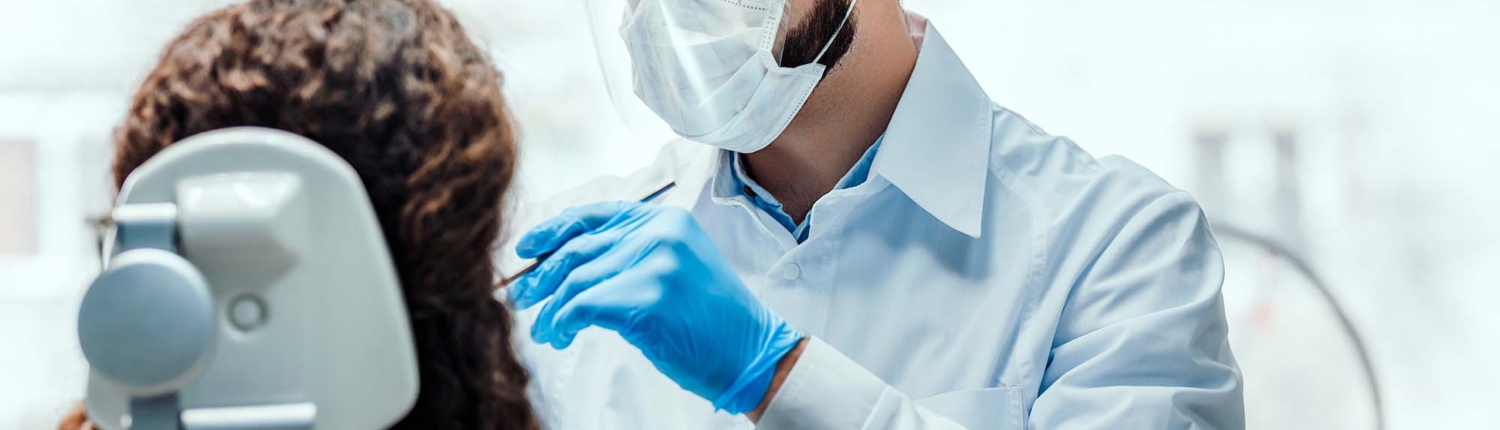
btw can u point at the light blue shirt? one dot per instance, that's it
(986, 275)
(738, 180)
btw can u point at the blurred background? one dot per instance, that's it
(1345, 151)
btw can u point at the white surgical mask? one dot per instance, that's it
(708, 69)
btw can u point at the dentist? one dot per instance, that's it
(859, 238)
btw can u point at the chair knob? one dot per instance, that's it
(147, 322)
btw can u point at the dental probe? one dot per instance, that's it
(536, 262)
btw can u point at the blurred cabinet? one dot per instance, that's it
(18, 198)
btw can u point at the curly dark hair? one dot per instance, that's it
(398, 90)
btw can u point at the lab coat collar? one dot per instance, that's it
(937, 146)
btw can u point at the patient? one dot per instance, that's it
(398, 90)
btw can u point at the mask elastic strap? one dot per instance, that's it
(836, 32)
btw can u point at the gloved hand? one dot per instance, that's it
(652, 274)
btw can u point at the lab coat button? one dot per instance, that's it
(791, 272)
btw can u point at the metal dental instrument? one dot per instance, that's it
(534, 263)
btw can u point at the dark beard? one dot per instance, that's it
(805, 41)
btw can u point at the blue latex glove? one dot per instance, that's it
(652, 274)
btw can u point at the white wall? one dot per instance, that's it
(41, 369)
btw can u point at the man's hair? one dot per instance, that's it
(397, 90)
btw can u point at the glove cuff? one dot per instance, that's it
(746, 392)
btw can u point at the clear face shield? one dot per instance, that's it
(711, 71)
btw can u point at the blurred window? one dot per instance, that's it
(17, 198)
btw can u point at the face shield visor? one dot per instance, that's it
(711, 71)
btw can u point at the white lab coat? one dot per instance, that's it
(987, 275)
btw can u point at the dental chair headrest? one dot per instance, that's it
(248, 285)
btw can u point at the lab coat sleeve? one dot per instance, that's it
(1142, 339)
(828, 390)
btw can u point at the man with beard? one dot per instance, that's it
(859, 238)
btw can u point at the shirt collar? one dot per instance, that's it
(731, 179)
(937, 146)
(731, 182)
